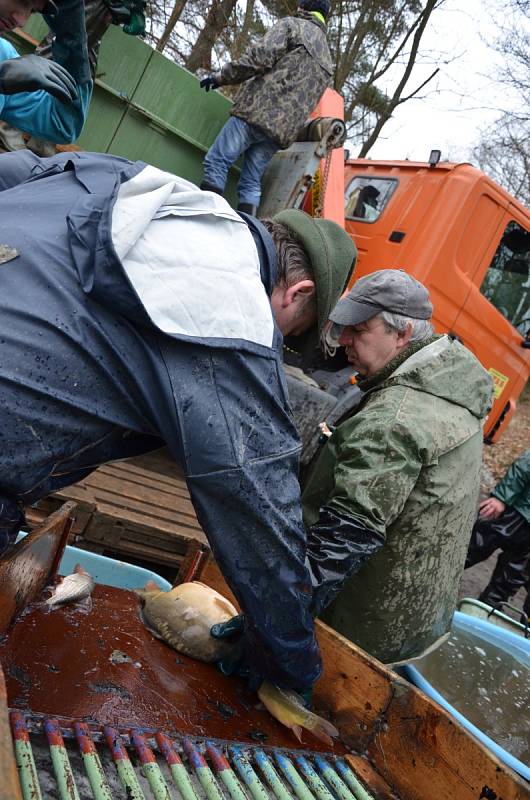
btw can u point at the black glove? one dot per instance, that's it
(31, 73)
(233, 632)
(209, 83)
(337, 546)
(70, 47)
(235, 663)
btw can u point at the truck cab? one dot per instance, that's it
(468, 241)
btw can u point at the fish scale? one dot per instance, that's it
(78, 760)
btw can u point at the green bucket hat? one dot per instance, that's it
(332, 254)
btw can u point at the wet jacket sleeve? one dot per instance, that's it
(337, 546)
(514, 488)
(240, 452)
(70, 42)
(259, 57)
(42, 115)
(376, 468)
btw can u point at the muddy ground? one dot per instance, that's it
(497, 459)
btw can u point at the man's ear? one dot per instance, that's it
(299, 292)
(404, 337)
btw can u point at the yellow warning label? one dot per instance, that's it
(499, 382)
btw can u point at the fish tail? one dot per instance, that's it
(321, 728)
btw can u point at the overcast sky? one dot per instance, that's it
(463, 95)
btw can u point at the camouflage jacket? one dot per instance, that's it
(285, 74)
(407, 465)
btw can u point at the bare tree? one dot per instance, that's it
(373, 40)
(175, 15)
(216, 21)
(504, 153)
(504, 147)
(370, 41)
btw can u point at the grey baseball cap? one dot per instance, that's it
(385, 290)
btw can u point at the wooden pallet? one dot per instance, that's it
(139, 508)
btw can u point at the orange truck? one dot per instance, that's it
(455, 230)
(468, 241)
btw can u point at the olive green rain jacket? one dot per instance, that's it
(514, 488)
(406, 464)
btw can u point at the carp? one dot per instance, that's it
(183, 617)
(72, 588)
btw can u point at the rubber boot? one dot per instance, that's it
(510, 573)
(209, 187)
(248, 208)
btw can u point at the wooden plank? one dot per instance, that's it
(424, 753)
(370, 778)
(27, 566)
(121, 505)
(354, 686)
(174, 483)
(129, 490)
(418, 750)
(138, 551)
(417, 747)
(138, 507)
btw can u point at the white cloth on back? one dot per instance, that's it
(191, 259)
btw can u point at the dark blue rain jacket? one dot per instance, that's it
(87, 377)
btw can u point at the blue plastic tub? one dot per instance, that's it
(109, 571)
(106, 570)
(511, 643)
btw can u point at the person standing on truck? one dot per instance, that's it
(390, 501)
(284, 75)
(139, 310)
(48, 99)
(504, 522)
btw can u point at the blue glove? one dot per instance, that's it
(232, 631)
(209, 83)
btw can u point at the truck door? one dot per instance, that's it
(495, 318)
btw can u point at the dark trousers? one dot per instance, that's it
(511, 533)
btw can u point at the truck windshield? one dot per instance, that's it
(366, 197)
(507, 282)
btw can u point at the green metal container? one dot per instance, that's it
(145, 106)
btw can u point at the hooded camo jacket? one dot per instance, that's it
(285, 74)
(406, 464)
